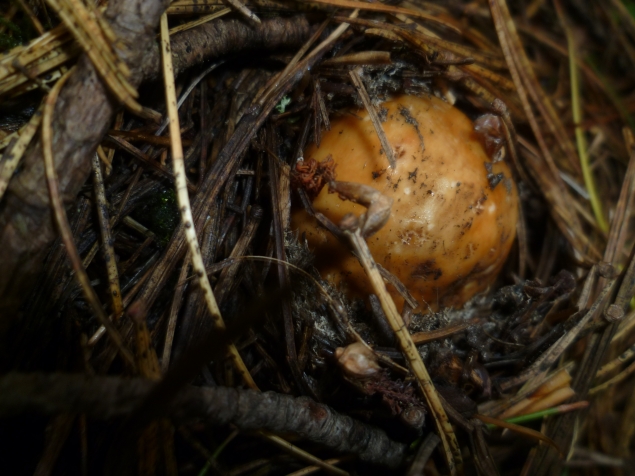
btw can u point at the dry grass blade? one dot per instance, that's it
(429, 336)
(498, 407)
(107, 241)
(619, 225)
(393, 32)
(126, 300)
(301, 454)
(559, 380)
(159, 434)
(627, 430)
(45, 71)
(229, 277)
(147, 161)
(478, 79)
(95, 40)
(508, 50)
(188, 7)
(147, 361)
(177, 300)
(613, 381)
(378, 7)
(103, 157)
(29, 78)
(560, 203)
(423, 454)
(360, 58)
(159, 141)
(200, 21)
(244, 11)
(279, 190)
(315, 469)
(184, 200)
(456, 48)
(32, 51)
(518, 429)
(10, 160)
(374, 117)
(284, 74)
(21, 64)
(505, 25)
(62, 223)
(609, 367)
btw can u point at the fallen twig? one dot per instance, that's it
(106, 398)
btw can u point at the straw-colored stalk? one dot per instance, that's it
(95, 40)
(184, 200)
(451, 448)
(10, 160)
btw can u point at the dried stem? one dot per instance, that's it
(505, 25)
(315, 469)
(177, 300)
(301, 454)
(10, 160)
(199, 21)
(451, 448)
(378, 7)
(184, 201)
(106, 237)
(244, 11)
(374, 117)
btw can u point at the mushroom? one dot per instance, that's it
(454, 214)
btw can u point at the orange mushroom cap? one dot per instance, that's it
(453, 220)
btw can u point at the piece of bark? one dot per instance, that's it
(82, 116)
(106, 398)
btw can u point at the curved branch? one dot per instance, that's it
(111, 397)
(222, 37)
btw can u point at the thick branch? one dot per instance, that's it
(223, 37)
(111, 397)
(82, 116)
